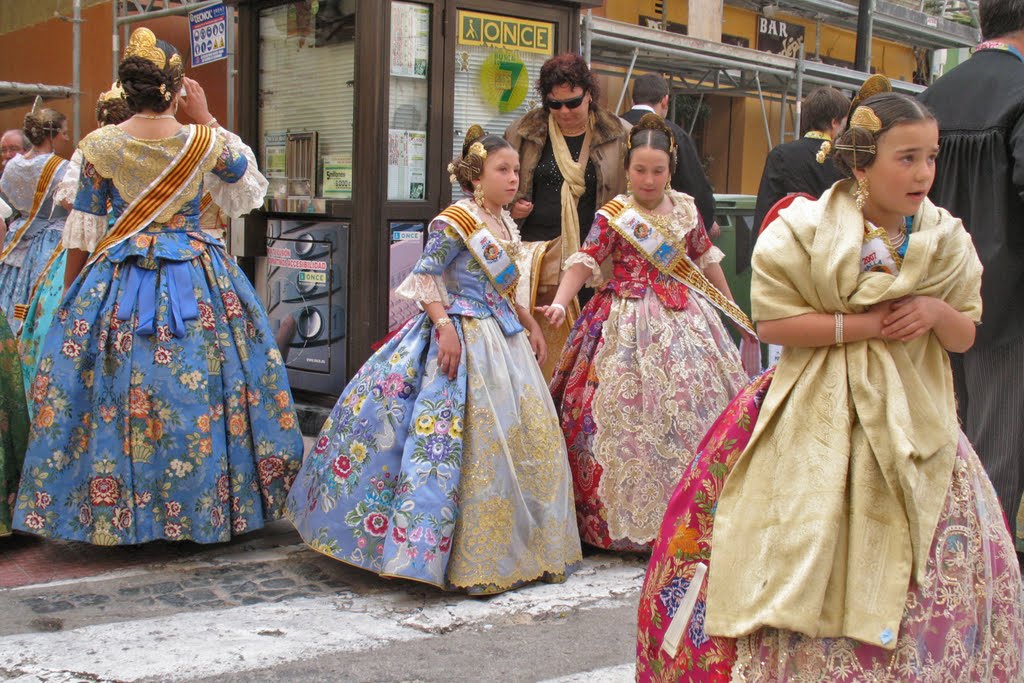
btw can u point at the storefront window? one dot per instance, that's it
(497, 62)
(409, 99)
(307, 98)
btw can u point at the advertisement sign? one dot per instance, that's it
(410, 44)
(337, 178)
(779, 37)
(507, 33)
(306, 297)
(209, 31)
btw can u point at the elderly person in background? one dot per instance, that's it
(571, 155)
(12, 143)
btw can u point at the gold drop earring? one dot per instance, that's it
(862, 193)
(629, 186)
(478, 194)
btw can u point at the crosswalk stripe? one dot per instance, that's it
(209, 643)
(611, 674)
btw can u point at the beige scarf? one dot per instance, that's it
(574, 185)
(836, 498)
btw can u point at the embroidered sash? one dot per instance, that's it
(669, 256)
(21, 310)
(499, 267)
(160, 193)
(42, 189)
(878, 255)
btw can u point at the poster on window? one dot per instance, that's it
(497, 62)
(407, 164)
(410, 40)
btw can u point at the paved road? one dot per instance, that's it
(287, 614)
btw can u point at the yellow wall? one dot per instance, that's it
(736, 142)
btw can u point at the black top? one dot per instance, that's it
(689, 176)
(790, 167)
(545, 221)
(979, 177)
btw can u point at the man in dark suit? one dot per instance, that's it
(650, 94)
(797, 166)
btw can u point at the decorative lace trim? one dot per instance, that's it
(83, 230)
(238, 198)
(67, 189)
(596, 278)
(423, 288)
(709, 257)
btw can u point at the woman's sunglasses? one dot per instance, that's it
(558, 104)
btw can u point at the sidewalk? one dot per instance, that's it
(28, 560)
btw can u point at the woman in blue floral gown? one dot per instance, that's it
(443, 461)
(162, 407)
(33, 236)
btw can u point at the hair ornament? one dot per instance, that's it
(37, 104)
(866, 149)
(451, 174)
(866, 118)
(116, 92)
(652, 121)
(165, 92)
(143, 44)
(478, 150)
(823, 151)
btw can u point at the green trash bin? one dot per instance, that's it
(735, 216)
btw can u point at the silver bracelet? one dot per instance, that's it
(560, 307)
(839, 329)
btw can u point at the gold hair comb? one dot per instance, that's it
(477, 149)
(866, 118)
(143, 44)
(116, 92)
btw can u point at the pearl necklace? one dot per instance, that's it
(153, 116)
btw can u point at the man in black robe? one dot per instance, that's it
(980, 179)
(650, 94)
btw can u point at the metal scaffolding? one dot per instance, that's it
(700, 67)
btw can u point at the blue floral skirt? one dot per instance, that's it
(463, 484)
(162, 406)
(13, 424)
(22, 268)
(41, 310)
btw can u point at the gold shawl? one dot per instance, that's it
(836, 498)
(573, 186)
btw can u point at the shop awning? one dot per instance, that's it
(13, 94)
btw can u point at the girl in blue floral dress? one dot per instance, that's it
(162, 407)
(443, 461)
(13, 425)
(29, 182)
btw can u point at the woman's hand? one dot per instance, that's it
(449, 351)
(537, 343)
(521, 209)
(555, 313)
(911, 317)
(195, 105)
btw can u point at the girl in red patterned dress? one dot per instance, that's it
(648, 365)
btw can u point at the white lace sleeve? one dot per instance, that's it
(5, 210)
(83, 230)
(712, 255)
(596, 278)
(238, 198)
(420, 287)
(67, 190)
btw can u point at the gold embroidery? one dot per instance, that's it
(654, 404)
(516, 519)
(132, 164)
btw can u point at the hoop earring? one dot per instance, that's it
(478, 195)
(861, 195)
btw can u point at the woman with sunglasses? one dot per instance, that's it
(571, 152)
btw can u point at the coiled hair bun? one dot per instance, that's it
(41, 125)
(469, 166)
(652, 131)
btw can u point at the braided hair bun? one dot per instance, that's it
(111, 107)
(41, 125)
(469, 166)
(652, 131)
(150, 73)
